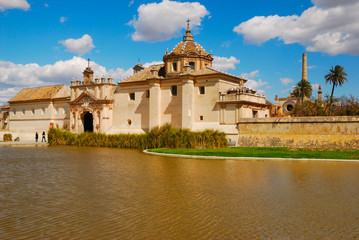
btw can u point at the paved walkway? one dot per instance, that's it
(247, 158)
(28, 143)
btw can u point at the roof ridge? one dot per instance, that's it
(219, 71)
(45, 86)
(143, 72)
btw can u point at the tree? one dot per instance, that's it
(335, 76)
(346, 106)
(309, 108)
(303, 89)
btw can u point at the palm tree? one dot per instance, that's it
(336, 76)
(303, 89)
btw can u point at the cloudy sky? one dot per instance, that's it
(44, 42)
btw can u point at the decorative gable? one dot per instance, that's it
(85, 99)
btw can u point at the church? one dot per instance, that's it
(185, 91)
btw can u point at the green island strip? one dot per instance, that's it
(266, 152)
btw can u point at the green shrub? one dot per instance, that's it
(7, 137)
(166, 136)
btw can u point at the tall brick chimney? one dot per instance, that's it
(304, 67)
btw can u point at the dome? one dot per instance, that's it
(186, 53)
(186, 47)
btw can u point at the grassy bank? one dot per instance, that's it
(166, 136)
(268, 152)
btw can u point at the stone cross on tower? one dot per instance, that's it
(88, 73)
(188, 36)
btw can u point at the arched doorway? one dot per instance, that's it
(88, 122)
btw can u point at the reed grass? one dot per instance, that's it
(166, 136)
(7, 137)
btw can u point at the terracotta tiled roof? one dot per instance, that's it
(269, 103)
(205, 71)
(188, 47)
(37, 93)
(142, 75)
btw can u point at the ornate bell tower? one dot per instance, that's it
(88, 74)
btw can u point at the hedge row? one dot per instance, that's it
(166, 136)
(7, 137)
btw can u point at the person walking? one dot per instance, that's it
(36, 136)
(43, 136)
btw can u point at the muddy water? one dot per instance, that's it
(99, 193)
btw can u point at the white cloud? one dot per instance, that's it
(252, 74)
(312, 67)
(11, 4)
(223, 63)
(261, 92)
(63, 19)
(79, 46)
(226, 44)
(254, 84)
(164, 20)
(330, 26)
(315, 86)
(131, 2)
(332, 3)
(17, 76)
(286, 81)
(8, 93)
(46, 5)
(288, 90)
(146, 65)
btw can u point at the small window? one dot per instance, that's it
(33, 111)
(132, 96)
(289, 107)
(174, 65)
(129, 122)
(23, 111)
(255, 114)
(201, 118)
(65, 110)
(43, 110)
(14, 111)
(191, 64)
(202, 90)
(174, 90)
(57, 110)
(148, 94)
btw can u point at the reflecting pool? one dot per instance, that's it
(103, 193)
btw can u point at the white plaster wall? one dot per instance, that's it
(224, 86)
(252, 98)
(137, 111)
(206, 104)
(38, 121)
(230, 114)
(171, 106)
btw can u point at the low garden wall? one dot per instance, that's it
(308, 132)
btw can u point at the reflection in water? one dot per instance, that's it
(100, 193)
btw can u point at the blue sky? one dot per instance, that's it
(47, 42)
